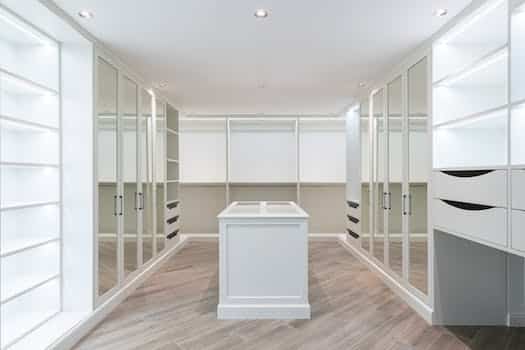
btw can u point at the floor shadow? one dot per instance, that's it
(490, 338)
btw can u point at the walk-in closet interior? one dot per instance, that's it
(165, 167)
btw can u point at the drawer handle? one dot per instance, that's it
(352, 204)
(173, 205)
(353, 219)
(467, 173)
(352, 233)
(173, 234)
(467, 206)
(172, 220)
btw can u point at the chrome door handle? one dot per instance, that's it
(409, 196)
(141, 201)
(403, 205)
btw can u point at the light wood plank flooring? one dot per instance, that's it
(352, 310)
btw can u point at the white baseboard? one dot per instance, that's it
(517, 320)
(71, 338)
(263, 312)
(412, 300)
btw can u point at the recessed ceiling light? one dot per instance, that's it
(362, 84)
(85, 14)
(261, 13)
(440, 12)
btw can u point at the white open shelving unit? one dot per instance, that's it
(478, 92)
(30, 175)
(172, 174)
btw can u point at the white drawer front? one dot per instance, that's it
(518, 230)
(489, 225)
(489, 189)
(518, 189)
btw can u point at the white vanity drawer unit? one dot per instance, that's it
(472, 204)
(487, 187)
(483, 223)
(518, 189)
(263, 261)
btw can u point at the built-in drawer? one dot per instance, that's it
(518, 189)
(482, 223)
(518, 230)
(480, 186)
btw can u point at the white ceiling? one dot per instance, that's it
(308, 56)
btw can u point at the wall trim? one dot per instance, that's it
(84, 327)
(517, 320)
(412, 300)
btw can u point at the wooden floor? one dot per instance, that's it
(351, 309)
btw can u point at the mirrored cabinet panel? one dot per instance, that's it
(380, 197)
(394, 228)
(107, 175)
(416, 205)
(131, 171)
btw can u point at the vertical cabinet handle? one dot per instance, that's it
(403, 204)
(387, 200)
(137, 201)
(141, 201)
(409, 204)
(121, 199)
(115, 205)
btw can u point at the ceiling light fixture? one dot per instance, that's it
(440, 12)
(261, 13)
(85, 14)
(362, 84)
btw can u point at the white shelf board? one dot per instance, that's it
(23, 244)
(52, 330)
(172, 181)
(169, 160)
(14, 31)
(483, 72)
(24, 284)
(29, 165)
(40, 318)
(468, 168)
(172, 132)
(493, 113)
(13, 123)
(19, 85)
(13, 206)
(493, 57)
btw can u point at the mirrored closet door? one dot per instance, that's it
(398, 149)
(418, 175)
(126, 182)
(131, 189)
(393, 217)
(380, 200)
(107, 176)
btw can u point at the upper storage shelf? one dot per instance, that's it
(518, 53)
(28, 53)
(485, 31)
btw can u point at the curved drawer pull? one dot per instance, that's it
(467, 206)
(467, 173)
(173, 234)
(352, 204)
(353, 219)
(172, 220)
(352, 233)
(173, 205)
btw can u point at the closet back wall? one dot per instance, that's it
(227, 159)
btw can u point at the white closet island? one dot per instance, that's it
(263, 261)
